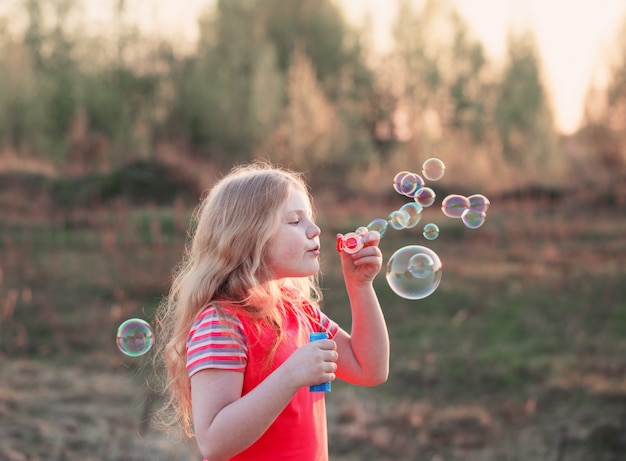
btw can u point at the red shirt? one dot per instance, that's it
(234, 342)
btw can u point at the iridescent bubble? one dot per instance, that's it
(479, 202)
(425, 196)
(431, 231)
(454, 205)
(134, 337)
(379, 225)
(361, 231)
(409, 183)
(473, 219)
(421, 265)
(397, 181)
(414, 212)
(401, 279)
(416, 183)
(398, 219)
(433, 169)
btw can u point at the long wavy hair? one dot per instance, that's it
(225, 260)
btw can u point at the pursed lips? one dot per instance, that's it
(315, 251)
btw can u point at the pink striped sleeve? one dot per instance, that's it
(325, 323)
(216, 341)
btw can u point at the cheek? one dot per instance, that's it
(277, 252)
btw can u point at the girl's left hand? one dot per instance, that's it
(362, 267)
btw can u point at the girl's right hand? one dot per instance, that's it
(312, 363)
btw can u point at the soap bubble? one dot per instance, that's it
(414, 212)
(433, 169)
(431, 231)
(454, 205)
(134, 337)
(473, 219)
(400, 276)
(398, 219)
(416, 182)
(379, 225)
(421, 265)
(397, 181)
(406, 183)
(425, 196)
(479, 202)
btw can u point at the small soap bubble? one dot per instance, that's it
(421, 265)
(414, 212)
(479, 202)
(134, 337)
(473, 219)
(416, 183)
(400, 276)
(409, 183)
(361, 231)
(433, 169)
(398, 181)
(425, 196)
(398, 219)
(379, 225)
(431, 231)
(454, 205)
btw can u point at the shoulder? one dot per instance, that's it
(216, 339)
(214, 320)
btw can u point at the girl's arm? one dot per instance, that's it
(225, 423)
(364, 353)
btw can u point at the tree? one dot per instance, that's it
(605, 120)
(440, 80)
(230, 94)
(523, 116)
(305, 136)
(239, 86)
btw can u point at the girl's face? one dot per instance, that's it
(293, 251)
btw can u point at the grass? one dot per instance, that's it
(524, 337)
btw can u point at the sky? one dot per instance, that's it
(574, 37)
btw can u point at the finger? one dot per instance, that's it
(367, 253)
(371, 238)
(326, 344)
(331, 356)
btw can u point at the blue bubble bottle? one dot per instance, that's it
(322, 387)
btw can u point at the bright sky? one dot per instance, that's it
(574, 36)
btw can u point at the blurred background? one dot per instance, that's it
(116, 115)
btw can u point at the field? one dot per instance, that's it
(519, 354)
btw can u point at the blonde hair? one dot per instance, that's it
(225, 260)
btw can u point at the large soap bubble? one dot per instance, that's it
(414, 272)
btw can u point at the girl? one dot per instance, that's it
(238, 317)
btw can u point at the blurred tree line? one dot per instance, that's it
(292, 82)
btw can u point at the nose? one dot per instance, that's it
(313, 231)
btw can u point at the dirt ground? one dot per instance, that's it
(81, 411)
